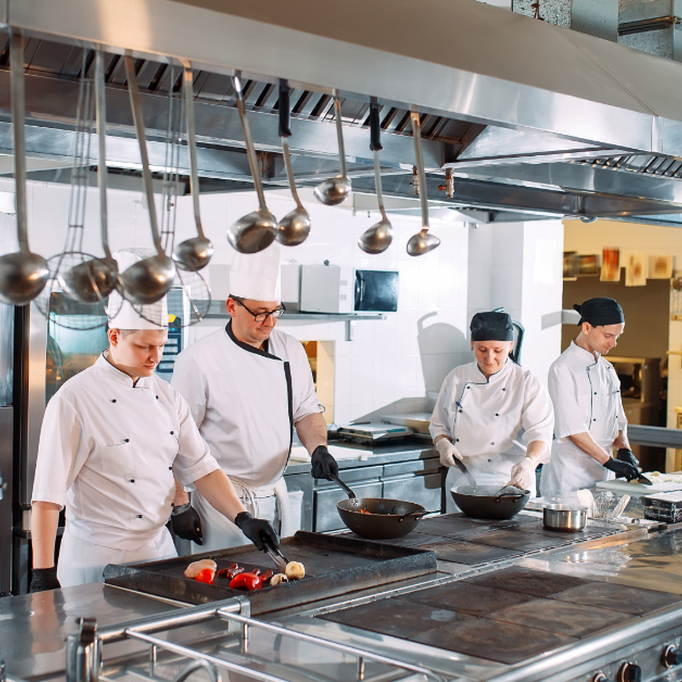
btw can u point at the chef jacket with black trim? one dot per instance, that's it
(109, 450)
(585, 391)
(491, 420)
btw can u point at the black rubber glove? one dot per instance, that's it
(625, 455)
(44, 579)
(186, 523)
(324, 465)
(257, 530)
(622, 469)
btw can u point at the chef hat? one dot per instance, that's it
(123, 315)
(600, 312)
(492, 326)
(257, 275)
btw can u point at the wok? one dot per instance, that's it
(489, 502)
(378, 518)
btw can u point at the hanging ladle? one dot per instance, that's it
(423, 241)
(378, 237)
(150, 279)
(255, 231)
(295, 226)
(93, 280)
(195, 253)
(22, 274)
(337, 189)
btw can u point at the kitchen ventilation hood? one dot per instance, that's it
(533, 120)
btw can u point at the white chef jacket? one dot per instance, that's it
(109, 450)
(491, 421)
(246, 402)
(586, 395)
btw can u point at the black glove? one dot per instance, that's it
(625, 455)
(257, 530)
(324, 465)
(622, 469)
(44, 579)
(186, 523)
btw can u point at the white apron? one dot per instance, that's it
(586, 395)
(491, 421)
(83, 562)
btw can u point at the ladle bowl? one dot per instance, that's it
(294, 228)
(422, 243)
(148, 280)
(92, 280)
(254, 232)
(377, 238)
(22, 277)
(193, 254)
(333, 191)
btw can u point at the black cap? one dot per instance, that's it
(491, 327)
(600, 312)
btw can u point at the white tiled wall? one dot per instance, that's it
(411, 351)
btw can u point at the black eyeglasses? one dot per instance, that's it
(261, 317)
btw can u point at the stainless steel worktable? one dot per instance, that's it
(33, 627)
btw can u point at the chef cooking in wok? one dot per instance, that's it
(491, 414)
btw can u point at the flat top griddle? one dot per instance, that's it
(508, 615)
(334, 565)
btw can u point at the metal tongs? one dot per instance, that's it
(276, 555)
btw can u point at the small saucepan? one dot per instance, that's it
(378, 518)
(563, 518)
(489, 501)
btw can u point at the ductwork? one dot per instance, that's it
(528, 116)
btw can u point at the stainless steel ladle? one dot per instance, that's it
(337, 189)
(150, 279)
(192, 254)
(423, 241)
(378, 237)
(22, 274)
(255, 231)
(93, 280)
(295, 226)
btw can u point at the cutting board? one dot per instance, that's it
(621, 486)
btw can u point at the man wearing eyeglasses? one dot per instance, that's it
(249, 386)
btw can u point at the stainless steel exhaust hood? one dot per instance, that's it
(532, 119)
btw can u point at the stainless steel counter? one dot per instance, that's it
(33, 627)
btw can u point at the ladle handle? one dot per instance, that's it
(423, 194)
(374, 127)
(250, 151)
(19, 135)
(101, 115)
(284, 104)
(339, 134)
(138, 121)
(187, 86)
(349, 492)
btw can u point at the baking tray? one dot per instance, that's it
(334, 565)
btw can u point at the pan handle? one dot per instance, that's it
(415, 514)
(349, 492)
(514, 497)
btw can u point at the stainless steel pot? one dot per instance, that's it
(563, 518)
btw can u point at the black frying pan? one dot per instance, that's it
(377, 518)
(490, 502)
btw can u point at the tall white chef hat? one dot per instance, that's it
(123, 315)
(257, 275)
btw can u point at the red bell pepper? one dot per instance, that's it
(206, 575)
(250, 581)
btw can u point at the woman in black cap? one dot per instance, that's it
(492, 414)
(590, 421)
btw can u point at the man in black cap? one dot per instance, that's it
(492, 414)
(589, 416)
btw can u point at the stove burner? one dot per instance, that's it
(528, 581)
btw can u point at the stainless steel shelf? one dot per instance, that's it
(217, 311)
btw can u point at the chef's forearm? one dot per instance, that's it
(590, 447)
(220, 493)
(181, 497)
(312, 431)
(44, 522)
(536, 451)
(622, 441)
